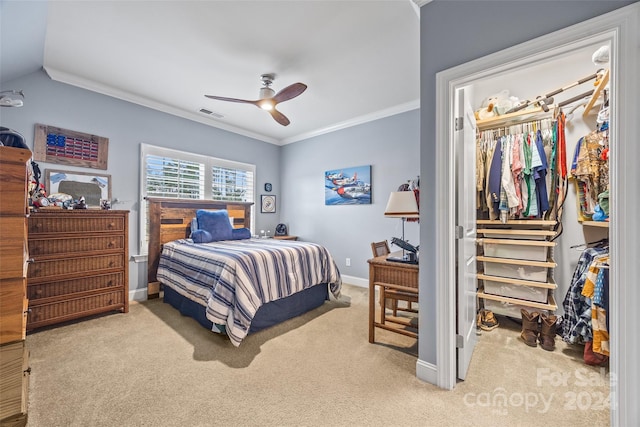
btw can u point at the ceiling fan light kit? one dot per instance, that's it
(268, 98)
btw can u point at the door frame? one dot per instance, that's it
(621, 28)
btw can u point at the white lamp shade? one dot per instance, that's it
(402, 204)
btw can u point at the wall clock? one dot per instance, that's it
(267, 187)
(268, 203)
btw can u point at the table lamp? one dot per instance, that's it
(402, 204)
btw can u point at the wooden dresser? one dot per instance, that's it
(14, 357)
(80, 264)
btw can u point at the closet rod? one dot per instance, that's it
(557, 91)
(575, 98)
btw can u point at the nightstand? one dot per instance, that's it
(286, 237)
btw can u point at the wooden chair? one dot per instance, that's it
(380, 248)
(389, 294)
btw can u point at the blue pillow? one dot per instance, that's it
(216, 223)
(240, 234)
(201, 236)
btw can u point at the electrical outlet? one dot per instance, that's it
(348, 262)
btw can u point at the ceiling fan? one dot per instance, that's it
(269, 99)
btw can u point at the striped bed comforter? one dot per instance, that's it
(232, 279)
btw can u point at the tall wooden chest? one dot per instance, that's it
(14, 357)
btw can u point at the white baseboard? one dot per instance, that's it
(355, 281)
(138, 295)
(427, 372)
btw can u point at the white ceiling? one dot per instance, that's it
(360, 59)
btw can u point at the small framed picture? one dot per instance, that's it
(267, 203)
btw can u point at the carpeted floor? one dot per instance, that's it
(153, 367)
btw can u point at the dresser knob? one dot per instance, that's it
(31, 261)
(111, 225)
(112, 244)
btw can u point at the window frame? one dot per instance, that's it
(209, 163)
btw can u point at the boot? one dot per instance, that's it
(530, 324)
(548, 331)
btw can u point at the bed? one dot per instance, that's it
(238, 285)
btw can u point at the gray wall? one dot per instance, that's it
(127, 125)
(453, 33)
(296, 171)
(391, 147)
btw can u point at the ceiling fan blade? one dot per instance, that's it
(242, 101)
(289, 92)
(279, 117)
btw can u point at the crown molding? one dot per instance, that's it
(63, 77)
(412, 105)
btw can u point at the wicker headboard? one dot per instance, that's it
(170, 219)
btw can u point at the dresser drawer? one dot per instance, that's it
(14, 377)
(74, 308)
(54, 269)
(70, 223)
(54, 289)
(13, 249)
(13, 180)
(63, 245)
(12, 309)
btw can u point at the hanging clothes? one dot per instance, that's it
(590, 171)
(494, 181)
(540, 176)
(512, 175)
(576, 324)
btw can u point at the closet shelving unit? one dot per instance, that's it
(511, 118)
(516, 261)
(517, 266)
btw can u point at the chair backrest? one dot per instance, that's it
(380, 248)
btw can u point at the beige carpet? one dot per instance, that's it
(153, 367)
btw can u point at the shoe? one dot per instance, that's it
(530, 325)
(488, 321)
(547, 336)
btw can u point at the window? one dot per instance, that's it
(172, 173)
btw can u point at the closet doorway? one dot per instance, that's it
(543, 57)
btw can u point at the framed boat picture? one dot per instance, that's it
(348, 186)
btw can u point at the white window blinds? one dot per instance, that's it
(171, 177)
(232, 184)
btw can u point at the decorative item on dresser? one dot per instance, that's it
(80, 264)
(14, 356)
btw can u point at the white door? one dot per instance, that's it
(465, 153)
